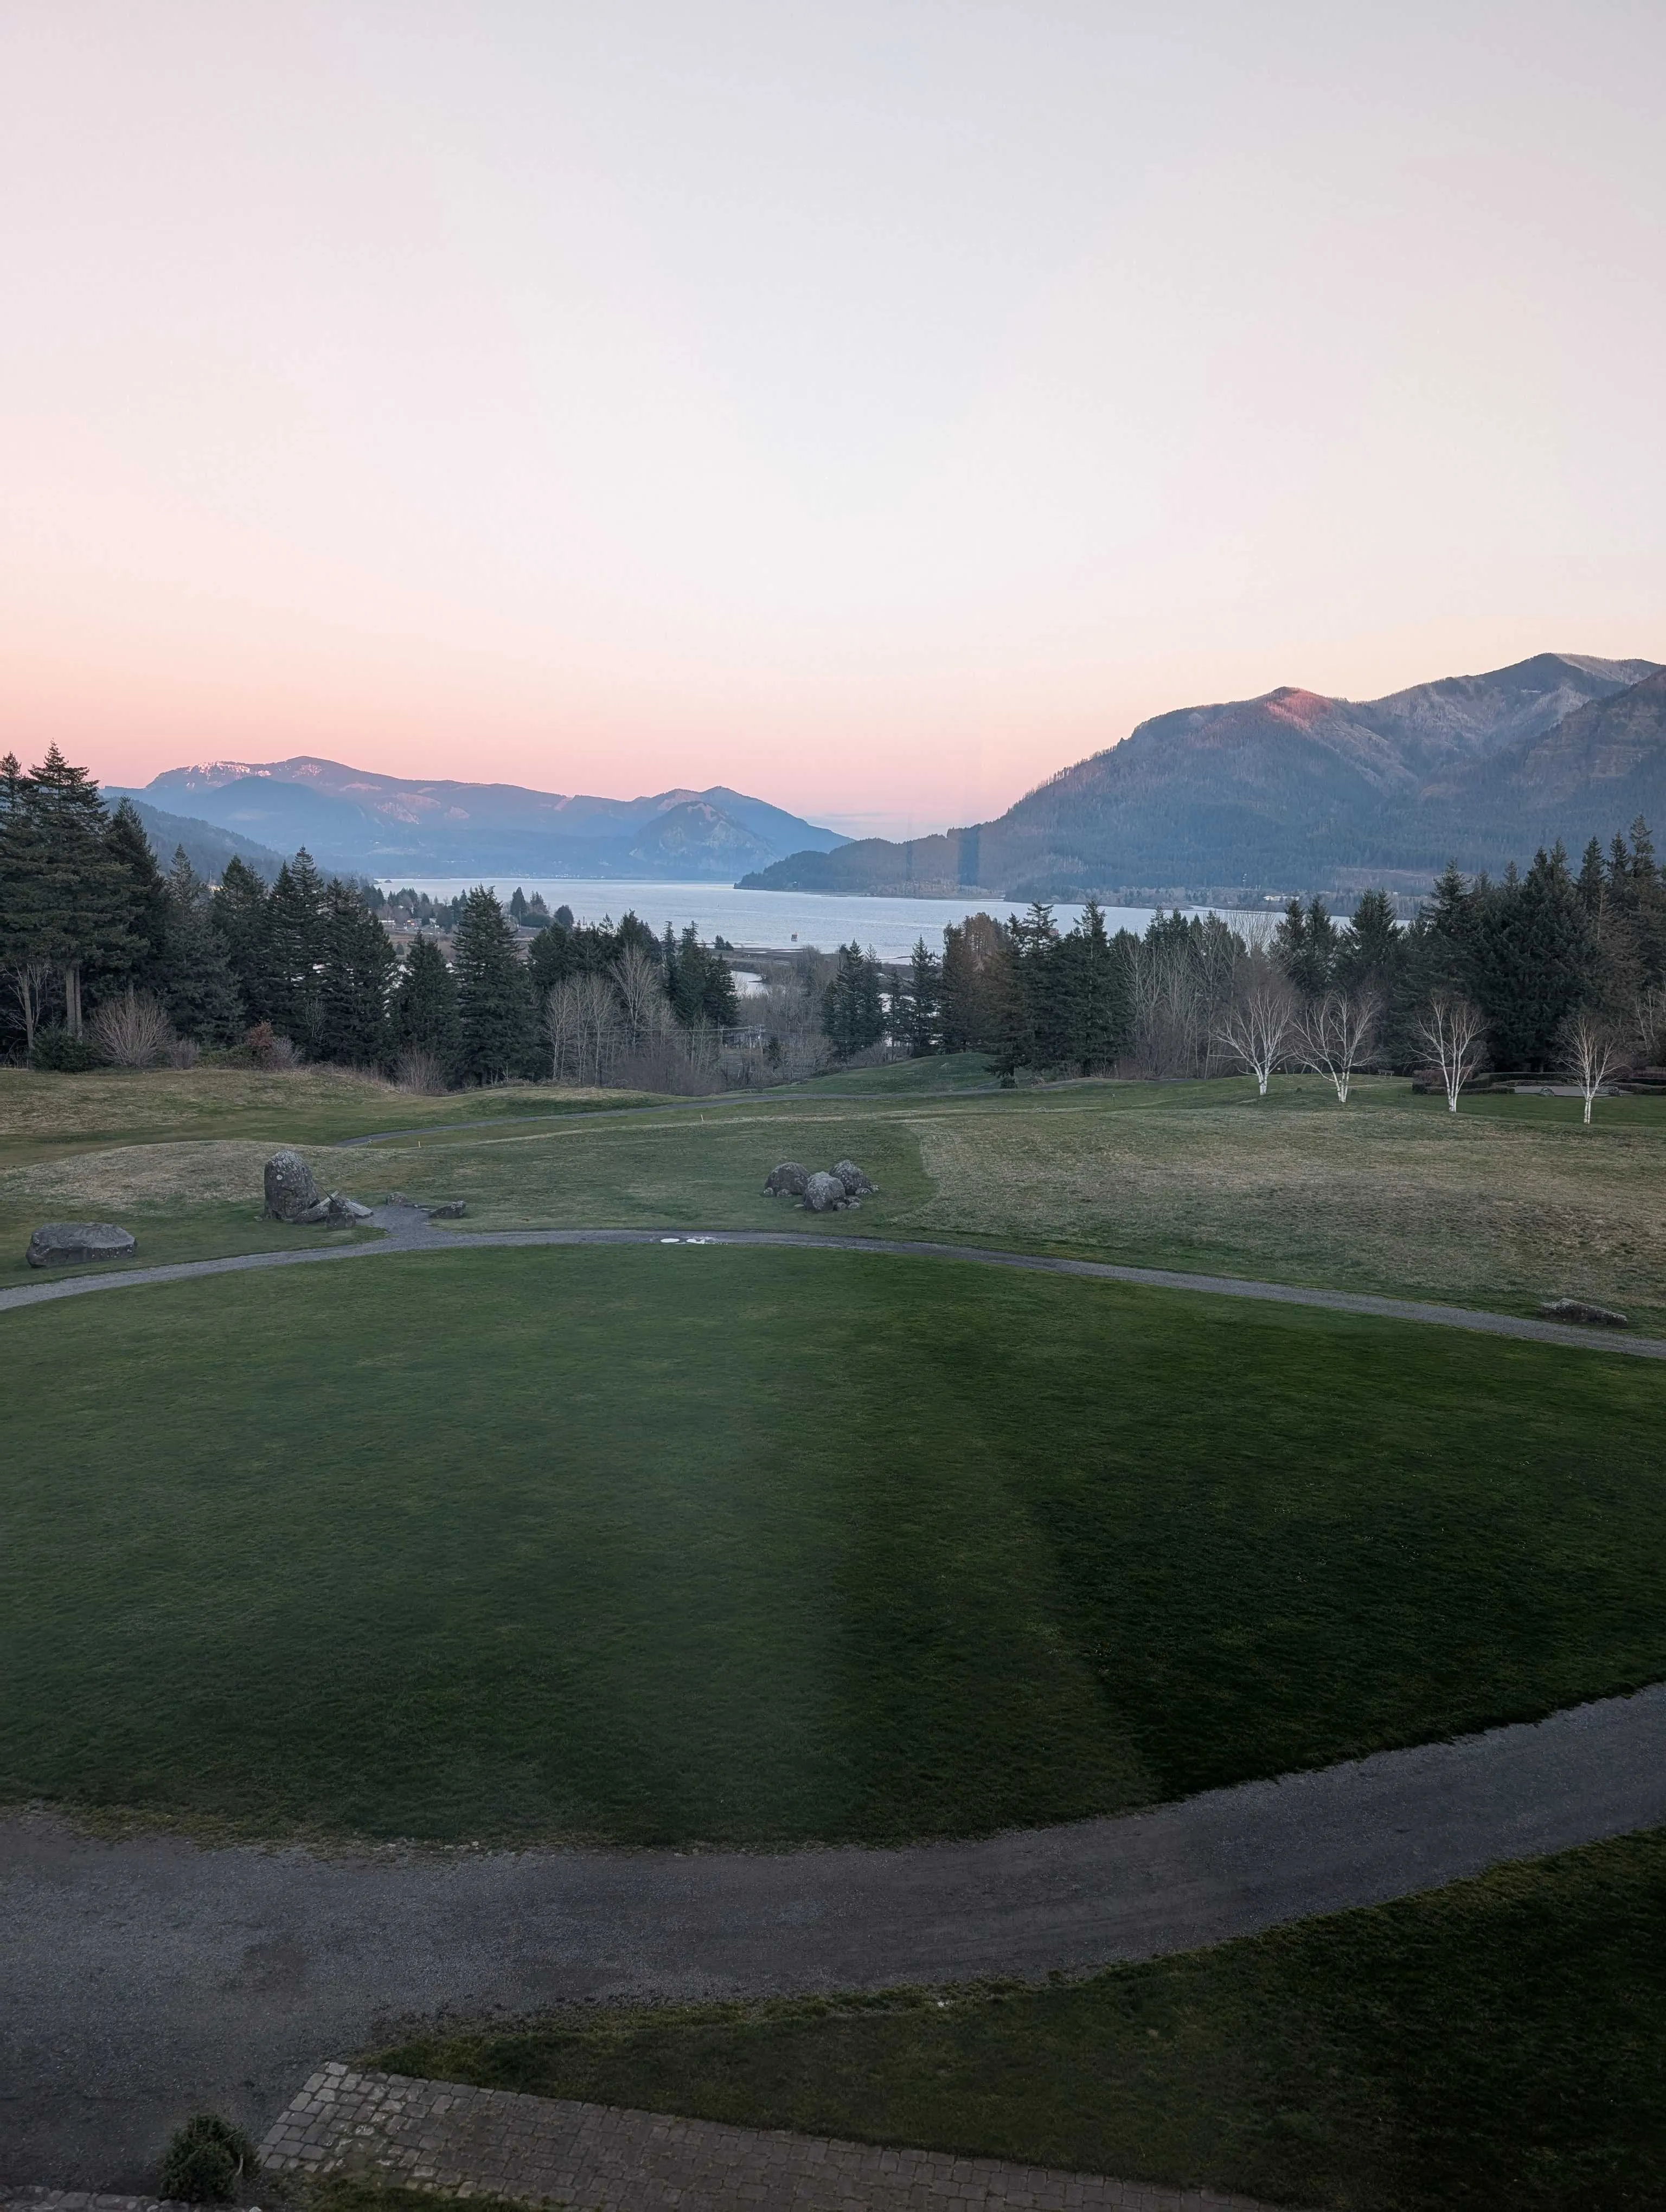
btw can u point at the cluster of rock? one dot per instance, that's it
(1581, 1309)
(72, 1243)
(823, 1192)
(448, 1209)
(292, 1197)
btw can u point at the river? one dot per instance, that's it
(765, 921)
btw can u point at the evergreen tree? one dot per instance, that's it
(1306, 946)
(1094, 993)
(27, 971)
(1370, 950)
(241, 912)
(493, 1002)
(973, 979)
(72, 898)
(1533, 962)
(698, 983)
(356, 980)
(146, 898)
(919, 1003)
(196, 982)
(853, 1005)
(424, 1014)
(294, 924)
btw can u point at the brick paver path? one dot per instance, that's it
(83, 2200)
(595, 2158)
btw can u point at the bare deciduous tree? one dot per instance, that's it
(420, 1069)
(561, 1027)
(28, 979)
(636, 979)
(1648, 1012)
(1590, 1052)
(1257, 1027)
(1337, 1035)
(1452, 1029)
(132, 1032)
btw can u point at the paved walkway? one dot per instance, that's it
(144, 1979)
(409, 1230)
(596, 2158)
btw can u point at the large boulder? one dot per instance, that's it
(825, 1193)
(291, 1193)
(73, 1244)
(787, 1180)
(856, 1184)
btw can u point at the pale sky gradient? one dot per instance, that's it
(873, 406)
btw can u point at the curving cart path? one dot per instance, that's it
(407, 1230)
(146, 1978)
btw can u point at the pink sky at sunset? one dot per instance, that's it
(871, 407)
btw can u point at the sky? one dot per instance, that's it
(873, 407)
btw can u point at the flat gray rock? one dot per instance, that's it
(71, 1243)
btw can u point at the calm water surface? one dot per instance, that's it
(776, 921)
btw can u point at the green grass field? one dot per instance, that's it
(1493, 2044)
(661, 1544)
(1508, 1203)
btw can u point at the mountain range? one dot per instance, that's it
(1296, 792)
(355, 822)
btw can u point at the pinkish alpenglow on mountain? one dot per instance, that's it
(1297, 792)
(360, 823)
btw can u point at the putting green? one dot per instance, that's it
(676, 1543)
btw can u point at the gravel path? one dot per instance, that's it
(408, 1231)
(142, 1979)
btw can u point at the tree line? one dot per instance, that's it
(1538, 971)
(103, 956)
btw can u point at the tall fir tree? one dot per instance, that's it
(296, 941)
(74, 897)
(919, 1003)
(356, 980)
(853, 1005)
(1094, 992)
(493, 1002)
(241, 911)
(424, 1014)
(196, 984)
(146, 896)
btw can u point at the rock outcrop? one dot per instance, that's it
(291, 1193)
(292, 1197)
(73, 1244)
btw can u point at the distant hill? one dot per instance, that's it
(351, 820)
(207, 848)
(1297, 792)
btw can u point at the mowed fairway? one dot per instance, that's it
(682, 1543)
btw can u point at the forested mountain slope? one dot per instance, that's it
(1295, 791)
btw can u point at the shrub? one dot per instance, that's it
(419, 1069)
(205, 2160)
(132, 1032)
(60, 1053)
(268, 1050)
(183, 1051)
